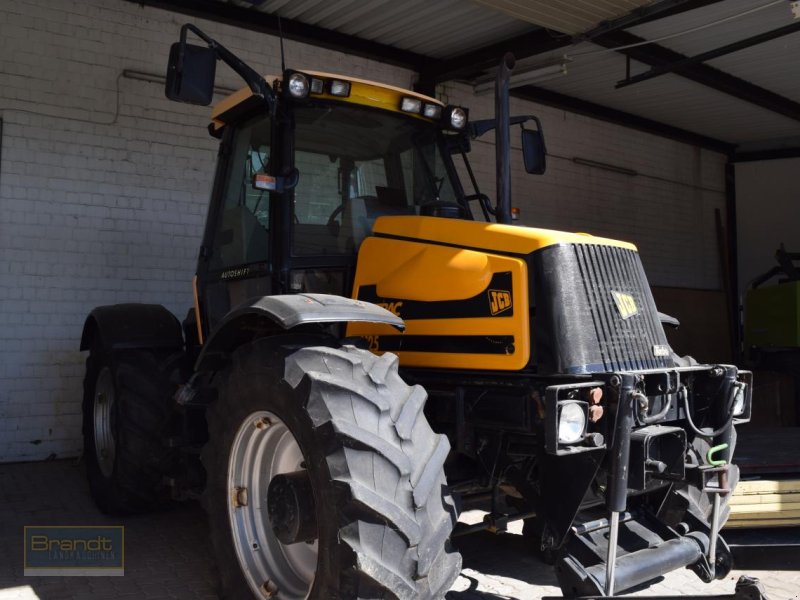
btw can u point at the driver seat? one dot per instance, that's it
(360, 213)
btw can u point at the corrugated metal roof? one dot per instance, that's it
(566, 16)
(771, 65)
(447, 28)
(721, 31)
(439, 29)
(668, 99)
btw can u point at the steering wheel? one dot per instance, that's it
(441, 208)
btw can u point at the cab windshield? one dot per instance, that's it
(355, 165)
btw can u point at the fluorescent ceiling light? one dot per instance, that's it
(536, 73)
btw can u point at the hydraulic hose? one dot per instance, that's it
(649, 420)
(683, 393)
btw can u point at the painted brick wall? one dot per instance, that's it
(104, 185)
(103, 189)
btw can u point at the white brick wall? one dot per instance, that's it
(104, 185)
(98, 208)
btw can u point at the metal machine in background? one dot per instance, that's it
(772, 312)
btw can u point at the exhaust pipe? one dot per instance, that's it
(503, 139)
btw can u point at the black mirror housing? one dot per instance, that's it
(533, 151)
(190, 74)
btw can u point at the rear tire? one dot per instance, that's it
(126, 408)
(382, 514)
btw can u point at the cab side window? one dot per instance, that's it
(242, 230)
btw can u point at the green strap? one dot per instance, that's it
(712, 451)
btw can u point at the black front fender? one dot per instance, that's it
(267, 315)
(128, 326)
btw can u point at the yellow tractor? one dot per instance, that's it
(373, 348)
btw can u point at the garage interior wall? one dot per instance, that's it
(767, 212)
(104, 186)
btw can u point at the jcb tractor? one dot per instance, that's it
(373, 348)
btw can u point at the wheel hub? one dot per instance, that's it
(265, 477)
(290, 504)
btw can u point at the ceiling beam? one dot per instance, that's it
(475, 62)
(774, 154)
(538, 41)
(644, 14)
(676, 10)
(711, 54)
(255, 20)
(659, 56)
(618, 117)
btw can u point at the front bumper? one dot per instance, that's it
(646, 457)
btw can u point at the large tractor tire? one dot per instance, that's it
(325, 480)
(126, 408)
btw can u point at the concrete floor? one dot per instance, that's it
(167, 555)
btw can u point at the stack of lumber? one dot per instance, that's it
(765, 503)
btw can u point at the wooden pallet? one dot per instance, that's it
(765, 503)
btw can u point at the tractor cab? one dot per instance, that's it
(308, 161)
(298, 190)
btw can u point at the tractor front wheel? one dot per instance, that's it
(325, 479)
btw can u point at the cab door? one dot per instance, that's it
(236, 262)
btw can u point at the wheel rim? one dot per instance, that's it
(104, 446)
(262, 448)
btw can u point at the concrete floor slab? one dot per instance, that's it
(168, 556)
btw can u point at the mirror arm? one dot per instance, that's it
(255, 82)
(478, 128)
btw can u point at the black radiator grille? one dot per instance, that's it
(623, 343)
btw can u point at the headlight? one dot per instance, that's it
(298, 85)
(411, 105)
(432, 111)
(458, 118)
(739, 395)
(571, 423)
(316, 85)
(340, 88)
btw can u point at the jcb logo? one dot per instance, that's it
(392, 307)
(499, 300)
(626, 305)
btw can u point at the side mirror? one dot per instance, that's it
(190, 73)
(533, 151)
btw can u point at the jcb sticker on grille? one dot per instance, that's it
(499, 301)
(626, 305)
(661, 350)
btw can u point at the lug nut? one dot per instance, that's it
(262, 423)
(266, 591)
(239, 497)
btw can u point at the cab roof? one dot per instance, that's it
(362, 91)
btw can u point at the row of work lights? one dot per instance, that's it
(455, 117)
(300, 85)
